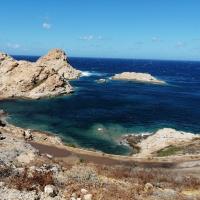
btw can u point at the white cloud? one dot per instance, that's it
(87, 37)
(155, 39)
(91, 37)
(13, 46)
(46, 25)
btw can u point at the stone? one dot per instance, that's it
(50, 190)
(2, 184)
(87, 197)
(49, 156)
(2, 137)
(74, 195)
(148, 187)
(84, 191)
(28, 134)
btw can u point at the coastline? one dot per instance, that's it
(35, 155)
(49, 143)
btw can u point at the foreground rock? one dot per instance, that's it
(48, 76)
(140, 77)
(163, 138)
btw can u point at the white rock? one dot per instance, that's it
(148, 187)
(87, 197)
(84, 191)
(73, 195)
(2, 184)
(26, 157)
(49, 156)
(50, 190)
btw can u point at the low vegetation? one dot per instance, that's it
(34, 181)
(171, 150)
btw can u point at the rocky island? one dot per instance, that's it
(46, 77)
(139, 77)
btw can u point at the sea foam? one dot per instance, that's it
(91, 73)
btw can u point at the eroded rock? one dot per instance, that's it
(48, 76)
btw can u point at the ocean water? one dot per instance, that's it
(97, 115)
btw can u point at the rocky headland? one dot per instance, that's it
(48, 76)
(138, 77)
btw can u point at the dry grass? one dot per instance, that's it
(163, 178)
(37, 180)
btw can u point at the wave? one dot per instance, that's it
(92, 73)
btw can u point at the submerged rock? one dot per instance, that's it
(48, 76)
(140, 77)
(101, 80)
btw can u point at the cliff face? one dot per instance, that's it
(48, 76)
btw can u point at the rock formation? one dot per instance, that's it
(161, 139)
(140, 77)
(46, 77)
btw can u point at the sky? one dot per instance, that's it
(142, 29)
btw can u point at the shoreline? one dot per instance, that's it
(41, 153)
(45, 141)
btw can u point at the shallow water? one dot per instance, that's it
(96, 115)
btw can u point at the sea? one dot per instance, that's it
(97, 115)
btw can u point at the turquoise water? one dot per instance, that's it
(97, 115)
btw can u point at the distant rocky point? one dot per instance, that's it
(46, 77)
(140, 77)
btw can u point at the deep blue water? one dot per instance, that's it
(96, 115)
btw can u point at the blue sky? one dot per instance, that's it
(158, 29)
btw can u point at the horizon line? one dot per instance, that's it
(117, 58)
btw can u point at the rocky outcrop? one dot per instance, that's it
(162, 139)
(48, 76)
(140, 77)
